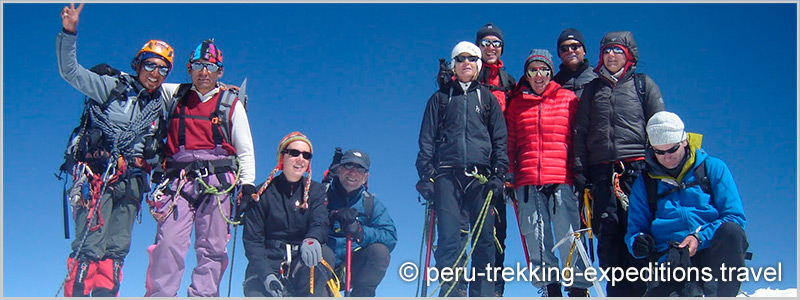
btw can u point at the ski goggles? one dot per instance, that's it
(351, 166)
(462, 58)
(541, 71)
(149, 66)
(573, 47)
(670, 150)
(296, 153)
(198, 66)
(615, 49)
(493, 43)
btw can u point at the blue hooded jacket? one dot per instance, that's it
(687, 211)
(378, 228)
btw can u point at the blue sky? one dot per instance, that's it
(359, 75)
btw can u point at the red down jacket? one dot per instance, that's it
(539, 134)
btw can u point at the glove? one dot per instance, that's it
(245, 200)
(355, 230)
(311, 252)
(496, 184)
(643, 245)
(274, 286)
(510, 178)
(580, 182)
(425, 188)
(677, 257)
(345, 216)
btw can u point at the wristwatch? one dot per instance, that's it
(696, 236)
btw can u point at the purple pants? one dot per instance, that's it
(168, 254)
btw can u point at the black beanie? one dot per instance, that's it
(490, 29)
(570, 34)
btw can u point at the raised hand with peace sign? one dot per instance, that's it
(69, 17)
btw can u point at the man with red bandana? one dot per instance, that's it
(208, 141)
(609, 143)
(493, 75)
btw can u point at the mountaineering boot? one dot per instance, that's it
(577, 292)
(108, 278)
(81, 277)
(554, 290)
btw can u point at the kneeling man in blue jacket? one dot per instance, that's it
(356, 212)
(686, 212)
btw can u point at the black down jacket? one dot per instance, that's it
(610, 123)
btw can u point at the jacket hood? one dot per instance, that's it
(696, 156)
(623, 38)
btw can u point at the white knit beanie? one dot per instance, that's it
(665, 128)
(468, 48)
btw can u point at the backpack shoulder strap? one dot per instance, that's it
(651, 187)
(220, 118)
(369, 203)
(702, 179)
(641, 90)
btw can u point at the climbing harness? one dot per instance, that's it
(161, 191)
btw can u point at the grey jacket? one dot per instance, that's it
(120, 111)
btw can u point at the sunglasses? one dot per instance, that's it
(615, 49)
(197, 66)
(350, 166)
(670, 150)
(149, 66)
(573, 47)
(462, 58)
(493, 43)
(296, 153)
(541, 71)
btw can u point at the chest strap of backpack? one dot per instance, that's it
(651, 187)
(219, 118)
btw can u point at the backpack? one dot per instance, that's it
(83, 140)
(220, 117)
(651, 186)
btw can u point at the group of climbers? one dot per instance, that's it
(194, 141)
(544, 142)
(579, 134)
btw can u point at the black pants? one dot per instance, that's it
(728, 246)
(299, 280)
(369, 266)
(458, 200)
(610, 222)
(500, 228)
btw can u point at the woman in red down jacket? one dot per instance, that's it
(539, 150)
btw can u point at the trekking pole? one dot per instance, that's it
(432, 214)
(349, 263)
(521, 236)
(421, 243)
(233, 257)
(234, 213)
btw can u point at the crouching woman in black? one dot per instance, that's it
(284, 228)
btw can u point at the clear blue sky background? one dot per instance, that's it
(359, 75)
